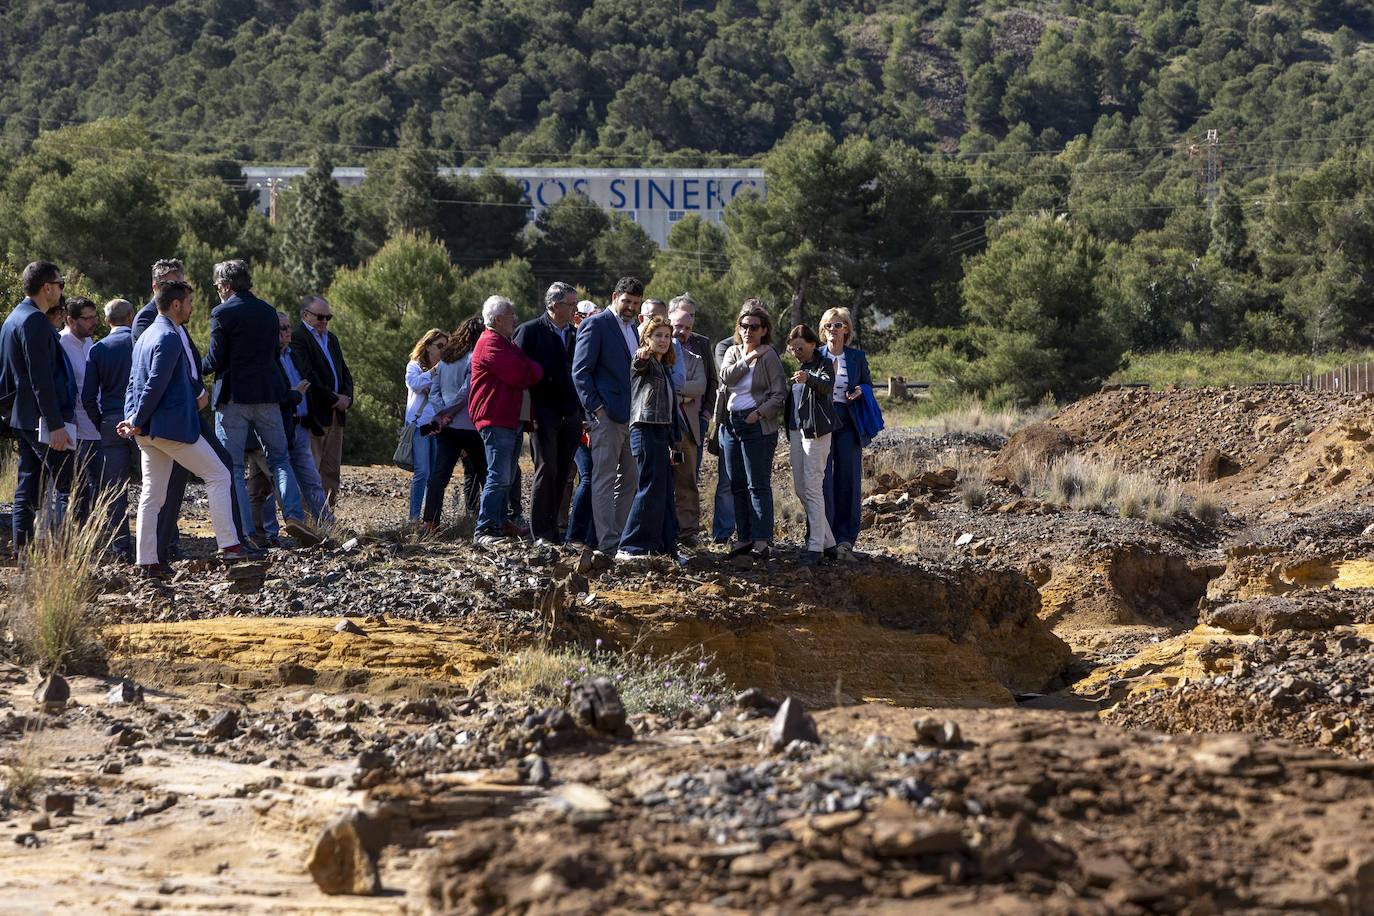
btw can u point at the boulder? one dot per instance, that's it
(343, 860)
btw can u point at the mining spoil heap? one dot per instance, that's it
(1012, 706)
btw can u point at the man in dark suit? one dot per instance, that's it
(260, 490)
(601, 373)
(35, 400)
(171, 270)
(331, 389)
(554, 407)
(249, 389)
(161, 407)
(102, 394)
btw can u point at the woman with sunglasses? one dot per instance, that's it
(420, 411)
(753, 387)
(844, 472)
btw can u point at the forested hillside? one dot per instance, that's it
(1014, 193)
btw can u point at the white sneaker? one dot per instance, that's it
(624, 556)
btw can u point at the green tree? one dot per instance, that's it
(564, 242)
(1230, 245)
(314, 238)
(1034, 306)
(385, 305)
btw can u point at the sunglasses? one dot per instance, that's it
(836, 326)
(319, 316)
(749, 326)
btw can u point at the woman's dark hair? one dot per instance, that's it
(805, 334)
(463, 339)
(761, 313)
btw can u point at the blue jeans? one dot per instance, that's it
(581, 525)
(426, 447)
(39, 466)
(307, 477)
(502, 448)
(749, 453)
(233, 422)
(118, 458)
(652, 524)
(844, 473)
(723, 513)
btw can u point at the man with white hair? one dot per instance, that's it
(699, 344)
(501, 373)
(102, 394)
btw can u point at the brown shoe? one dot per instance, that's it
(154, 571)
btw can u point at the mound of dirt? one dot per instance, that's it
(1028, 813)
(1266, 447)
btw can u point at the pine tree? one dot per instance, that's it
(315, 237)
(1229, 243)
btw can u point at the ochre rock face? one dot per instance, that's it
(899, 633)
(246, 650)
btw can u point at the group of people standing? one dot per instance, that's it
(82, 411)
(630, 397)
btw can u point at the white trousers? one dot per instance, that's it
(200, 459)
(808, 480)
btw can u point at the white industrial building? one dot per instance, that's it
(654, 198)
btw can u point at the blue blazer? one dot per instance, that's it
(107, 376)
(856, 367)
(161, 398)
(243, 352)
(601, 366)
(33, 371)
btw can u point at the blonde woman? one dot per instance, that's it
(419, 380)
(844, 471)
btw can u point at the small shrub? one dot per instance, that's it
(1206, 508)
(665, 686)
(1096, 485)
(23, 773)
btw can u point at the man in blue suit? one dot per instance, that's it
(249, 390)
(161, 409)
(167, 270)
(33, 393)
(601, 373)
(102, 394)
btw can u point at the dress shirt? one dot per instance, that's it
(322, 338)
(77, 351)
(631, 331)
(293, 378)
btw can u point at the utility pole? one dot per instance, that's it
(1207, 175)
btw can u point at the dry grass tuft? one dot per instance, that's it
(665, 686)
(49, 612)
(22, 770)
(973, 416)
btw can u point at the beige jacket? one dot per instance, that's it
(769, 385)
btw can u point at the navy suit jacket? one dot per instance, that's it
(243, 352)
(107, 376)
(32, 371)
(145, 318)
(544, 343)
(601, 366)
(161, 397)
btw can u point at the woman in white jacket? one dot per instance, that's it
(420, 411)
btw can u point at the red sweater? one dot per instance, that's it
(500, 374)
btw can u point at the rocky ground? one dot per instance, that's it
(1015, 705)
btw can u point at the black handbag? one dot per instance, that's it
(404, 456)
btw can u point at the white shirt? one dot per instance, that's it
(419, 410)
(631, 332)
(77, 350)
(190, 354)
(742, 392)
(840, 394)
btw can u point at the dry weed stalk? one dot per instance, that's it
(23, 771)
(49, 610)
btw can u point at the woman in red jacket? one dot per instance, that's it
(501, 373)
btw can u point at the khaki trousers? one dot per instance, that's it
(685, 490)
(328, 453)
